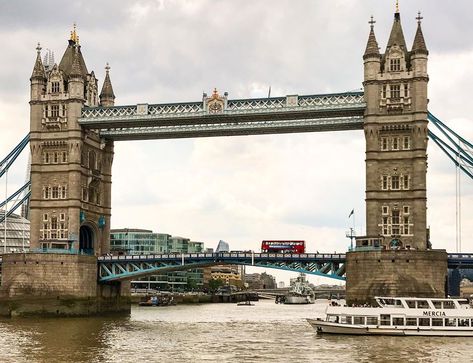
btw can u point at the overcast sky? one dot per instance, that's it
(248, 188)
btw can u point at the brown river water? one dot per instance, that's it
(265, 332)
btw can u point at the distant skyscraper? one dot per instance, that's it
(222, 246)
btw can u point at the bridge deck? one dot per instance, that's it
(340, 111)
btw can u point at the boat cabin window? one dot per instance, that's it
(424, 321)
(349, 320)
(450, 322)
(371, 320)
(411, 321)
(392, 303)
(359, 320)
(463, 322)
(332, 318)
(437, 304)
(398, 321)
(437, 322)
(423, 304)
(411, 304)
(385, 319)
(448, 305)
(471, 323)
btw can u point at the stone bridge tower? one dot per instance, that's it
(395, 258)
(70, 167)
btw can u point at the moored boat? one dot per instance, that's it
(399, 316)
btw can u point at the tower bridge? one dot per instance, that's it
(73, 128)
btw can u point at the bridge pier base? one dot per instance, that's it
(57, 285)
(403, 273)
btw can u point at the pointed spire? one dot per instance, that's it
(397, 35)
(372, 48)
(419, 46)
(107, 96)
(76, 68)
(38, 69)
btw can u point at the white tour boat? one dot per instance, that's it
(400, 316)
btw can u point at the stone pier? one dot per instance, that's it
(57, 285)
(402, 273)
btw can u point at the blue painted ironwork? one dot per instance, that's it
(458, 149)
(113, 268)
(13, 155)
(14, 195)
(15, 207)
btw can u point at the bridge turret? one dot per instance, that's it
(372, 66)
(419, 58)
(38, 77)
(76, 79)
(107, 97)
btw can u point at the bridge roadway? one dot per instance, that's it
(126, 267)
(329, 265)
(325, 112)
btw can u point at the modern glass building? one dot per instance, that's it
(143, 241)
(17, 234)
(133, 241)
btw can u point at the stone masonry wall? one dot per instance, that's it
(47, 275)
(403, 273)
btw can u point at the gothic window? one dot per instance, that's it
(406, 226)
(385, 209)
(54, 222)
(46, 158)
(384, 182)
(395, 91)
(63, 192)
(46, 192)
(64, 156)
(56, 157)
(85, 194)
(62, 216)
(405, 209)
(395, 64)
(55, 192)
(395, 182)
(406, 143)
(45, 217)
(54, 110)
(406, 90)
(384, 143)
(55, 87)
(395, 143)
(384, 92)
(64, 110)
(385, 226)
(92, 161)
(405, 182)
(395, 222)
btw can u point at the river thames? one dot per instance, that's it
(265, 332)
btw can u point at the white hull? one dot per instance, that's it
(324, 327)
(291, 299)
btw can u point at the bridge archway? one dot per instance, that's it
(87, 238)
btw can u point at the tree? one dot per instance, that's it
(215, 284)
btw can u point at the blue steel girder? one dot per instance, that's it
(340, 111)
(127, 267)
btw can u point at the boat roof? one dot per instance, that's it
(420, 298)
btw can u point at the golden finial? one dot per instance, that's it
(74, 36)
(397, 6)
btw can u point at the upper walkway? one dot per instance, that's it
(219, 116)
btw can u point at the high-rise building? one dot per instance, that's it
(17, 232)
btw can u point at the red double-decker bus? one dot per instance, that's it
(283, 246)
